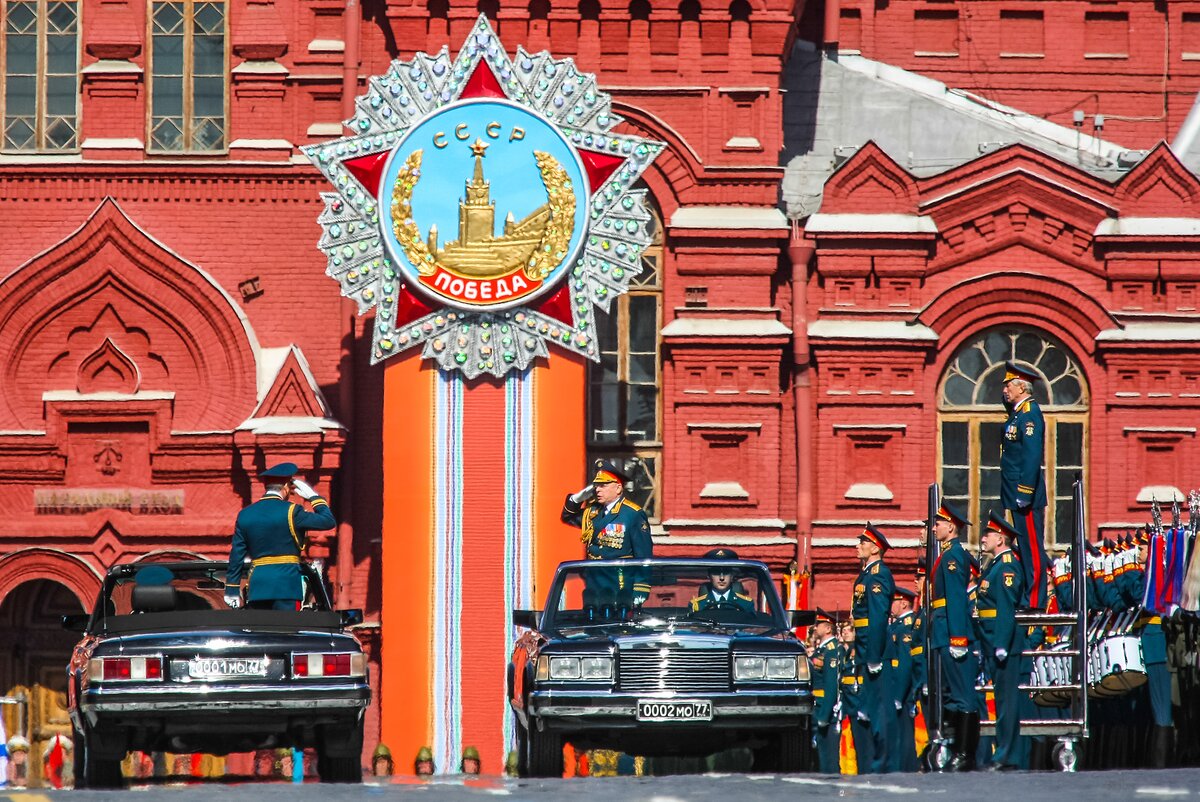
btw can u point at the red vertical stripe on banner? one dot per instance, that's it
(484, 468)
(1038, 570)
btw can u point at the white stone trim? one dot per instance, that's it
(869, 491)
(725, 327)
(114, 143)
(1152, 332)
(260, 67)
(725, 426)
(112, 66)
(870, 427)
(141, 395)
(1160, 429)
(871, 330)
(1149, 227)
(326, 46)
(734, 523)
(323, 129)
(289, 425)
(261, 144)
(743, 142)
(897, 543)
(723, 540)
(1160, 493)
(724, 490)
(729, 217)
(870, 224)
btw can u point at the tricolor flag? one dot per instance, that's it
(3, 750)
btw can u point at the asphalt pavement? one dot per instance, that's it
(1010, 787)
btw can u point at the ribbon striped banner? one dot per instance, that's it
(447, 575)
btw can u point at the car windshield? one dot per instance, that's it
(160, 588)
(652, 593)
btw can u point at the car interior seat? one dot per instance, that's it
(153, 598)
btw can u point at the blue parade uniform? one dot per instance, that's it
(619, 532)
(709, 599)
(997, 598)
(873, 591)
(826, 662)
(950, 625)
(272, 532)
(1023, 488)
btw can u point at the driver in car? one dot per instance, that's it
(721, 591)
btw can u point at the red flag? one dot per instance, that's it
(54, 763)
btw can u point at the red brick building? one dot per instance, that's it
(167, 327)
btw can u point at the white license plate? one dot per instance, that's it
(226, 667)
(674, 710)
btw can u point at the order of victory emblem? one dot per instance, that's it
(484, 206)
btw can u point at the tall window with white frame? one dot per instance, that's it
(188, 99)
(40, 56)
(624, 389)
(971, 423)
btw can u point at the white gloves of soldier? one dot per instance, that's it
(958, 652)
(585, 495)
(874, 668)
(639, 599)
(1001, 655)
(233, 601)
(303, 490)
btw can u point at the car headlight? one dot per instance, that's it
(753, 667)
(749, 668)
(802, 669)
(564, 668)
(596, 668)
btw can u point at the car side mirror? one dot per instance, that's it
(75, 623)
(802, 618)
(351, 617)
(525, 618)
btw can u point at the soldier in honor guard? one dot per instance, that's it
(721, 591)
(272, 532)
(850, 699)
(1022, 480)
(873, 591)
(827, 658)
(901, 685)
(997, 599)
(1154, 654)
(613, 528)
(950, 636)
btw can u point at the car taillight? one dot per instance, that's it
(125, 668)
(329, 664)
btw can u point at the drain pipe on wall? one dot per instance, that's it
(800, 252)
(833, 19)
(345, 532)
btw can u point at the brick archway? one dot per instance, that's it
(72, 572)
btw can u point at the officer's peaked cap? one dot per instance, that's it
(284, 470)
(609, 471)
(948, 512)
(905, 593)
(998, 523)
(1014, 371)
(721, 554)
(872, 534)
(825, 617)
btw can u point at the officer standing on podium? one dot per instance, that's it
(873, 591)
(1022, 481)
(997, 599)
(272, 533)
(950, 637)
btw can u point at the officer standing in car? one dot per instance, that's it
(272, 532)
(613, 528)
(873, 591)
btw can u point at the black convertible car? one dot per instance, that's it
(165, 665)
(680, 672)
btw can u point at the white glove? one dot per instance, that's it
(585, 495)
(639, 599)
(875, 668)
(233, 601)
(899, 705)
(958, 652)
(303, 490)
(1001, 655)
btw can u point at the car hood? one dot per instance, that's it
(692, 636)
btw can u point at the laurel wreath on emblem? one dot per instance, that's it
(550, 250)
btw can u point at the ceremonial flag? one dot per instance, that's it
(3, 750)
(54, 762)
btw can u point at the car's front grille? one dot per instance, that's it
(673, 669)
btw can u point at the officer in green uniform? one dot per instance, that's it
(951, 634)
(873, 591)
(722, 591)
(826, 664)
(272, 532)
(1022, 481)
(997, 599)
(1154, 653)
(850, 699)
(901, 687)
(613, 528)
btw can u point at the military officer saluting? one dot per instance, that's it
(1022, 481)
(613, 528)
(826, 658)
(997, 599)
(950, 637)
(272, 532)
(721, 591)
(872, 603)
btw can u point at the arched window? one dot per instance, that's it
(624, 389)
(971, 423)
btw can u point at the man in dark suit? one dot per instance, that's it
(272, 532)
(1023, 482)
(613, 528)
